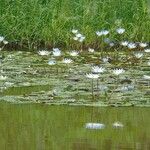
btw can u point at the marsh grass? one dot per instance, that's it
(49, 23)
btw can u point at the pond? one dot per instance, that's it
(123, 77)
(41, 127)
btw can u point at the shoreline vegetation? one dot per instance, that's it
(46, 24)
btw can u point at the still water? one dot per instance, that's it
(45, 127)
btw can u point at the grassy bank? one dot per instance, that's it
(49, 22)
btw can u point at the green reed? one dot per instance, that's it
(49, 22)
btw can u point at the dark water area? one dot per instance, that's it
(41, 127)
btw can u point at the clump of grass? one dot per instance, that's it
(49, 23)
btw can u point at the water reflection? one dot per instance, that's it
(41, 127)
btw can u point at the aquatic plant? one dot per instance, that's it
(118, 71)
(91, 50)
(147, 77)
(138, 55)
(67, 60)
(92, 76)
(102, 32)
(132, 45)
(143, 45)
(120, 30)
(3, 77)
(97, 69)
(74, 53)
(51, 62)
(147, 50)
(74, 31)
(124, 43)
(56, 52)
(43, 53)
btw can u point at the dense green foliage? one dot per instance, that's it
(51, 21)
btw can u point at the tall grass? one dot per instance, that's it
(50, 21)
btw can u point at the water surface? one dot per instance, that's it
(45, 127)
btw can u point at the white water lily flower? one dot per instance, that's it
(111, 44)
(3, 77)
(138, 55)
(74, 53)
(74, 31)
(94, 126)
(92, 76)
(131, 45)
(56, 49)
(1, 38)
(147, 77)
(75, 38)
(43, 52)
(91, 50)
(105, 59)
(56, 52)
(117, 124)
(118, 71)
(124, 43)
(79, 35)
(143, 45)
(147, 50)
(98, 33)
(97, 69)
(105, 32)
(5, 42)
(81, 39)
(51, 62)
(102, 32)
(67, 60)
(120, 30)
(148, 63)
